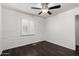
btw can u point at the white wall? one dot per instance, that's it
(0, 29)
(12, 29)
(61, 28)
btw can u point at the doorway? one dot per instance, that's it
(77, 33)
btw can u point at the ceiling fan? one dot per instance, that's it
(45, 8)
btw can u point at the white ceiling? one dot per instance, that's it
(26, 7)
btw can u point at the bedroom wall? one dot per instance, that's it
(12, 29)
(0, 29)
(61, 29)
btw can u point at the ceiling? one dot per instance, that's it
(26, 8)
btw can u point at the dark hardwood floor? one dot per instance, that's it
(43, 48)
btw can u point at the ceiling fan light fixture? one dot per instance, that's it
(44, 10)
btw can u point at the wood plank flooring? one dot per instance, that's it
(43, 48)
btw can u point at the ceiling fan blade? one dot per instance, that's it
(35, 8)
(55, 7)
(39, 13)
(49, 12)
